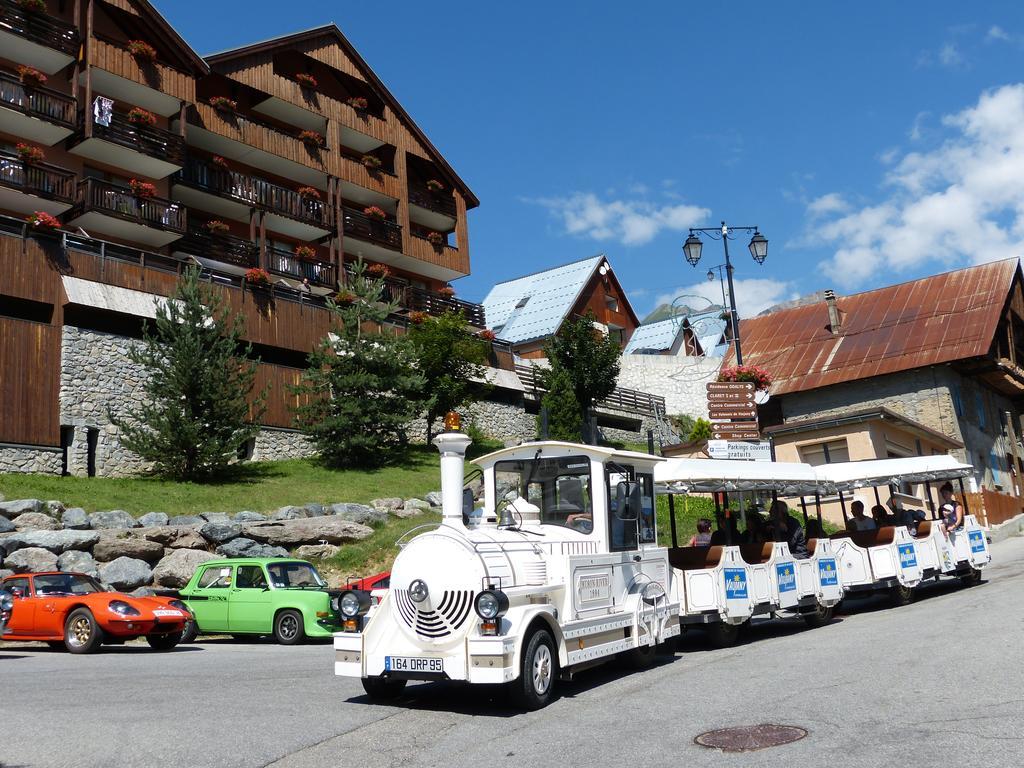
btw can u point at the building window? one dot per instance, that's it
(824, 453)
(522, 302)
(979, 403)
(611, 303)
(958, 403)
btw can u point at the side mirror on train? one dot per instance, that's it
(627, 500)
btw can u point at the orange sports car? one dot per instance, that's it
(74, 611)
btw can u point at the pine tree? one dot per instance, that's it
(362, 387)
(197, 412)
(564, 414)
(449, 357)
(588, 357)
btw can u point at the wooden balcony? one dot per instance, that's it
(222, 249)
(439, 202)
(377, 231)
(151, 85)
(36, 39)
(422, 300)
(291, 214)
(287, 264)
(443, 262)
(139, 149)
(112, 209)
(26, 187)
(33, 112)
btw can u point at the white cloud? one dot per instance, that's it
(833, 202)
(630, 222)
(753, 295)
(917, 127)
(949, 56)
(961, 200)
(995, 32)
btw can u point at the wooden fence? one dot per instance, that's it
(992, 507)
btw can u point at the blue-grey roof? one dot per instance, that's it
(708, 328)
(549, 297)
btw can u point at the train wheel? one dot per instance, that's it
(382, 689)
(818, 617)
(537, 672)
(900, 594)
(723, 635)
(641, 657)
(971, 578)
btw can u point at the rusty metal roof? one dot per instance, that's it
(937, 319)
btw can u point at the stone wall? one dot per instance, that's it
(506, 421)
(276, 444)
(29, 459)
(679, 379)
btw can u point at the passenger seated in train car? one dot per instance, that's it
(814, 530)
(758, 530)
(950, 510)
(702, 538)
(859, 521)
(882, 517)
(903, 515)
(786, 528)
(721, 536)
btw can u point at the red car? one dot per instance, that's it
(377, 585)
(74, 611)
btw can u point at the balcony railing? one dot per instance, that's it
(42, 179)
(37, 101)
(228, 249)
(38, 27)
(155, 142)
(620, 398)
(439, 202)
(115, 200)
(287, 264)
(254, 191)
(422, 300)
(381, 231)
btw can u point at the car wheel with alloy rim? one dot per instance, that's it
(538, 669)
(288, 628)
(81, 632)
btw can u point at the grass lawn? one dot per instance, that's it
(262, 487)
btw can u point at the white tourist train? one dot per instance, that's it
(562, 570)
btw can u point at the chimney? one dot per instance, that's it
(835, 322)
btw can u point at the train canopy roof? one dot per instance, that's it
(708, 475)
(848, 475)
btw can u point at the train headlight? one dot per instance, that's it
(418, 591)
(491, 604)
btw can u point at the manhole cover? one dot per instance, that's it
(746, 738)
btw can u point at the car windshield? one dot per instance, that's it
(285, 575)
(66, 584)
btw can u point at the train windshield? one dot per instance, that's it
(550, 491)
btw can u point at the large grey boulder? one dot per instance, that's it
(389, 504)
(215, 517)
(186, 520)
(11, 509)
(35, 521)
(151, 519)
(31, 559)
(290, 513)
(412, 508)
(75, 518)
(6, 526)
(54, 508)
(78, 562)
(315, 510)
(249, 548)
(5, 572)
(143, 592)
(317, 551)
(177, 568)
(114, 519)
(110, 548)
(359, 513)
(218, 533)
(53, 541)
(247, 516)
(434, 499)
(312, 530)
(175, 537)
(126, 573)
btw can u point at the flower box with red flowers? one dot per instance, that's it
(142, 188)
(371, 162)
(435, 186)
(306, 252)
(310, 193)
(436, 239)
(217, 227)
(487, 335)
(43, 220)
(760, 378)
(30, 153)
(373, 212)
(219, 162)
(223, 104)
(141, 50)
(140, 116)
(312, 137)
(31, 76)
(446, 291)
(305, 80)
(378, 270)
(358, 103)
(257, 276)
(344, 297)
(36, 6)
(418, 317)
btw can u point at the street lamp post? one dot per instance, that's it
(758, 250)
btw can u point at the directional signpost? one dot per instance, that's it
(733, 415)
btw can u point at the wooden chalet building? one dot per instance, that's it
(289, 155)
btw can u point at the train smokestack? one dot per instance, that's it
(452, 443)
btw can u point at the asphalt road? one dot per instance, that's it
(936, 683)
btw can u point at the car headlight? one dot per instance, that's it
(121, 608)
(418, 591)
(490, 604)
(353, 603)
(179, 605)
(6, 601)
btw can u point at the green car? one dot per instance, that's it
(276, 596)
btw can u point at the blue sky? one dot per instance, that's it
(872, 142)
